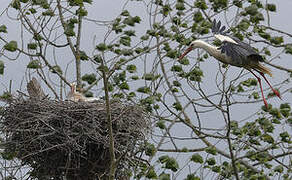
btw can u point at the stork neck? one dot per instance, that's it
(212, 50)
(73, 88)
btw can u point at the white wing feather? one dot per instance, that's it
(223, 38)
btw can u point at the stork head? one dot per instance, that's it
(73, 87)
(195, 44)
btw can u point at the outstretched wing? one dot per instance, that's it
(216, 27)
(241, 53)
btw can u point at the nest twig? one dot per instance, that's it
(70, 139)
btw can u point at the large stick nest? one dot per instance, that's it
(64, 138)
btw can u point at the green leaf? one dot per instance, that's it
(127, 52)
(279, 169)
(164, 176)
(255, 95)
(177, 106)
(150, 149)
(211, 161)
(124, 85)
(131, 21)
(198, 17)
(271, 7)
(56, 69)
(268, 52)
(289, 121)
(171, 164)
(192, 177)
(15, 4)
(277, 40)
(88, 1)
(249, 82)
(69, 31)
(285, 109)
(197, 158)
(150, 77)
(176, 68)
(184, 61)
(144, 89)
(151, 174)
(83, 56)
(37, 37)
(288, 49)
(172, 54)
(11, 46)
(139, 50)
(275, 112)
(2, 67)
(163, 158)
(3, 29)
(82, 12)
(201, 4)
(166, 9)
(131, 68)
(49, 12)
(211, 150)
(34, 64)
(268, 138)
(101, 47)
(144, 38)
(43, 3)
(89, 78)
(244, 24)
(160, 124)
(252, 10)
(125, 40)
(130, 33)
(285, 137)
(237, 3)
(125, 13)
(32, 10)
(180, 6)
(32, 46)
(216, 169)
(176, 83)
(195, 74)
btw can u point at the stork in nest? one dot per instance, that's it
(75, 96)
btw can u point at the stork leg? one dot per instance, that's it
(260, 82)
(275, 91)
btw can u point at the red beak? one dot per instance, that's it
(186, 52)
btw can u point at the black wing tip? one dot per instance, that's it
(216, 27)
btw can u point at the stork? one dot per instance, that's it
(75, 96)
(236, 53)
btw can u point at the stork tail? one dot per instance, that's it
(261, 68)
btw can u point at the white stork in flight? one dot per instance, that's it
(75, 96)
(236, 53)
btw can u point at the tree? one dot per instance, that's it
(200, 112)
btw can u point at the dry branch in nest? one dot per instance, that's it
(70, 139)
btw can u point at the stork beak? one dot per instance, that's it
(186, 52)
